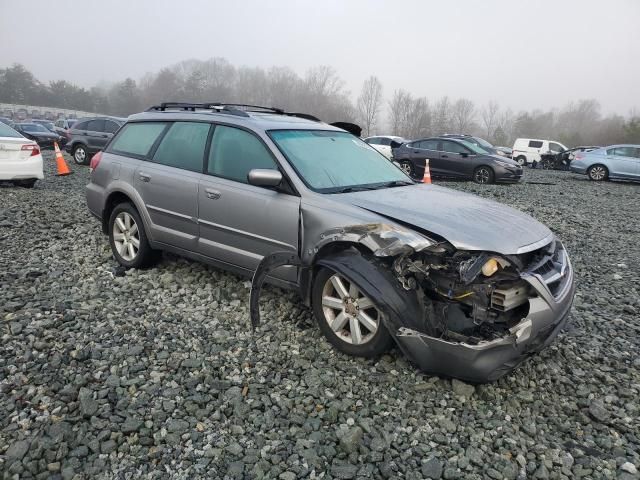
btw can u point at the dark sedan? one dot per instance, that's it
(33, 131)
(455, 159)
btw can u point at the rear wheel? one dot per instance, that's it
(522, 160)
(598, 173)
(80, 155)
(407, 167)
(347, 317)
(483, 175)
(128, 239)
(27, 183)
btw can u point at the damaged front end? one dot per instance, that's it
(469, 315)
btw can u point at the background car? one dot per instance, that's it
(36, 132)
(7, 121)
(90, 135)
(562, 160)
(453, 158)
(616, 162)
(65, 123)
(479, 142)
(20, 158)
(505, 151)
(45, 123)
(528, 150)
(385, 144)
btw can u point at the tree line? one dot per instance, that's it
(321, 92)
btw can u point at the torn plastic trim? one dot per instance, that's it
(266, 266)
(382, 239)
(518, 334)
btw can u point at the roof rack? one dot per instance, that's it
(239, 109)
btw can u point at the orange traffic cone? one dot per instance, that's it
(427, 173)
(61, 165)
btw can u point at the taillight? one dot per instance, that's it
(35, 149)
(95, 160)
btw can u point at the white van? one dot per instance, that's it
(528, 150)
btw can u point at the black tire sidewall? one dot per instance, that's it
(412, 171)
(523, 159)
(145, 253)
(86, 154)
(379, 344)
(492, 175)
(606, 173)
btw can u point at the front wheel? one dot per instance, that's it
(598, 173)
(522, 160)
(128, 239)
(347, 317)
(483, 175)
(80, 155)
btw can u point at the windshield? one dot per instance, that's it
(481, 142)
(7, 131)
(331, 162)
(473, 147)
(33, 127)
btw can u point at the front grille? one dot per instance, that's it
(551, 265)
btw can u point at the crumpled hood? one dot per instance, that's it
(467, 221)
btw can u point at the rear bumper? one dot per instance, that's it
(30, 167)
(490, 360)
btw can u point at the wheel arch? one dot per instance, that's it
(119, 195)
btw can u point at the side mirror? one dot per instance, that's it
(264, 177)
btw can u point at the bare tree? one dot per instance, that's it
(369, 103)
(463, 115)
(489, 114)
(441, 121)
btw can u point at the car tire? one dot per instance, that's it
(328, 311)
(407, 167)
(483, 175)
(128, 238)
(598, 173)
(522, 160)
(81, 155)
(27, 183)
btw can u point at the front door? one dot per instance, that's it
(454, 160)
(242, 223)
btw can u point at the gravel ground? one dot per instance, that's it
(155, 374)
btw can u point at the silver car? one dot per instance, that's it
(466, 287)
(616, 162)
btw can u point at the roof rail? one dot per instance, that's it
(239, 109)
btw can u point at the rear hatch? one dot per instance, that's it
(11, 149)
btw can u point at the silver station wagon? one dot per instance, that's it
(465, 287)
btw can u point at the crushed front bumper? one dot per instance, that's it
(490, 360)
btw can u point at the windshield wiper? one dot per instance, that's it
(396, 183)
(355, 188)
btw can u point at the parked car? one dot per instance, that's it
(20, 115)
(505, 151)
(38, 133)
(616, 162)
(528, 150)
(48, 115)
(65, 123)
(457, 159)
(89, 136)
(20, 158)
(46, 124)
(467, 287)
(385, 143)
(7, 121)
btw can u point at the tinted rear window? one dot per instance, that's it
(137, 138)
(183, 146)
(96, 126)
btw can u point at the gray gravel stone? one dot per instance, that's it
(432, 468)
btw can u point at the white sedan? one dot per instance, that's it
(20, 158)
(385, 143)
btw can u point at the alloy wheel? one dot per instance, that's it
(597, 173)
(482, 175)
(349, 313)
(126, 236)
(80, 155)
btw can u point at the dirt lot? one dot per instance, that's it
(156, 374)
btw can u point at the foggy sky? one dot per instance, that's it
(524, 54)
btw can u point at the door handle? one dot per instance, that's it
(445, 156)
(144, 177)
(212, 194)
(105, 135)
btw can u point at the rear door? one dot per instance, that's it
(622, 162)
(241, 223)
(95, 135)
(422, 150)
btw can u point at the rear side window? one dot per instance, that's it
(183, 146)
(622, 151)
(535, 144)
(96, 126)
(110, 127)
(234, 152)
(385, 141)
(453, 147)
(137, 138)
(428, 144)
(81, 126)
